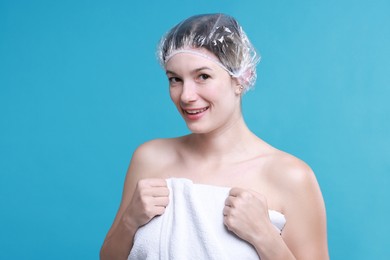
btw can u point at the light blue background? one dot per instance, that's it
(80, 89)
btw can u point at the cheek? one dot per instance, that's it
(174, 94)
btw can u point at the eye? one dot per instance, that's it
(203, 77)
(174, 80)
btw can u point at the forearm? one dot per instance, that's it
(118, 244)
(272, 247)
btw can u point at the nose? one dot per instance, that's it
(189, 93)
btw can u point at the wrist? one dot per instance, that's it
(129, 224)
(270, 245)
(265, 239)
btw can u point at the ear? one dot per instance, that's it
(239, 89)
(237, 86)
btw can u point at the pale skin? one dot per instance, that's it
(222, 151)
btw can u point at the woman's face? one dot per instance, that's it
(206, 96)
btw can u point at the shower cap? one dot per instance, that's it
(221, 35)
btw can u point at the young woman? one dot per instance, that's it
(220, 192)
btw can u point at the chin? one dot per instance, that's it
(197, 129)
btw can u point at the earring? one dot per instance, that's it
(239, 89)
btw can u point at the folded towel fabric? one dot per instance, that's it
(192, 227)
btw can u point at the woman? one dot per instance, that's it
(221, 189)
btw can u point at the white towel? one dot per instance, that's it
(192, 227)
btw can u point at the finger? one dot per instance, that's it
(243, 194)
(152, 182)
(228, 222)
(234, 192)
(159, 210)
(161, 201)
(226, 211)
(159, 183)
(159, 192)
(229, 201)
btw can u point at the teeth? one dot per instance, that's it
(193, 112)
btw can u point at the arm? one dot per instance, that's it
(142, 199)
(304, 236)
(305, 232)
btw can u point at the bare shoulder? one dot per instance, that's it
(153, 149)
(295, 184)
(151, 156)
(290, 173)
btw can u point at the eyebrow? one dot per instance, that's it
(193, 71)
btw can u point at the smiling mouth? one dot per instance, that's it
(195, 111)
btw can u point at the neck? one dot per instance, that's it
(223, 145)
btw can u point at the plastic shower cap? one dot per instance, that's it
(221, 35)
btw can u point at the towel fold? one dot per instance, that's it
(192, 227)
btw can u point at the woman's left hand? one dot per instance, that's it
(246, 214)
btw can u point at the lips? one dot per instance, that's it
(195, 111)
(194, 114)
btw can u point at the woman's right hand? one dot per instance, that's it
(143, 198)
(150, 198)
